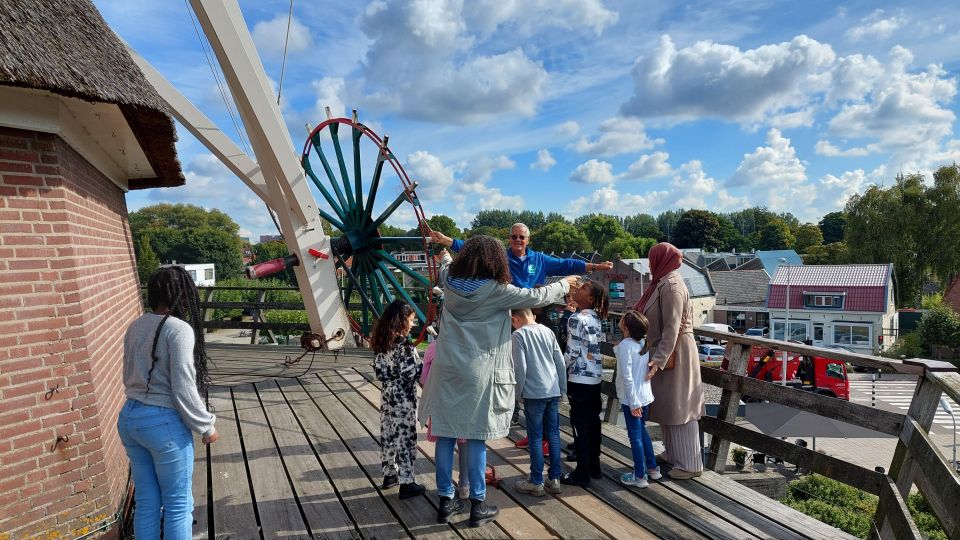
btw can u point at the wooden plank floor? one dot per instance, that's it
(298, 457)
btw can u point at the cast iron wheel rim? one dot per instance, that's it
(363, 258)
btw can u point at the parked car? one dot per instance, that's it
(711, 353)
(856, 368)
(814, 374)
(758, 331)
(716, 327)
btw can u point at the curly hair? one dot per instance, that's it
(389, 327)
(482, 257)
(601, 303)
(173, 287)
(636, 324)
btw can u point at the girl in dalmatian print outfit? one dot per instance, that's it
(397, 366)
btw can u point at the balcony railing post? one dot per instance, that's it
(738, 354)
(923, 407)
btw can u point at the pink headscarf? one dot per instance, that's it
(664, 258)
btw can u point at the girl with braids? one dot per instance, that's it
(164, 374)
(584, 373)
(397, 365)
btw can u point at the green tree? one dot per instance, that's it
(390, 230)
(775, 235)
(943, 222)
(808, 235)
(500, 233)
(147, 261)
(556, 216)
(643, 226)
(749, 221)
(835, 253)
(730, 238)
(190, 234)
(667, 223)
(600, 229)
(833, 226)
(698, 229)
(495, 218)
(446, 225)
(266, 251)
(560, 237)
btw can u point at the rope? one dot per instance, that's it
(283, 62)
(216, 77)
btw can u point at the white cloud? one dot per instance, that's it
(608, 200)
(270, 36)
(593, 172)
(329, 91)
(453, 83)
(568, 128)
(824, 148)
(874, 26)
(771, 165)
(648, 166)
(464, 183)
(617, 136)
(711, 79)
(693, 185)
(434, 177)
(529, 16)
(544, 161)
(835, 191)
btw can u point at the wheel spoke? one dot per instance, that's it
(326, 194)
(404, 268)
(332, 221)
(357, 172)
(334, 182)
(378, 275)
(355, 278)
(399, 287)
(382, 156)
(375, 293)
(335, 132)
(390, 210)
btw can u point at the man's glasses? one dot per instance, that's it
(517, 237)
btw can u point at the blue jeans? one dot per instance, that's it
(543, 419)
(476, 467)
(640, 444)
(160, 448)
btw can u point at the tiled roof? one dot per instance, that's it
(741, 287)
(835, 275)
(697, 282)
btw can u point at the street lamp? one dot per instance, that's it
(786, 326)
(945, 405)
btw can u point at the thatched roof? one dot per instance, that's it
(65, 47)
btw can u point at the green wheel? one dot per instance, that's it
(374, 270)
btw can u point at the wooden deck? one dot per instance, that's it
(299, 457)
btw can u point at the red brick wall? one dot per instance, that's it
(68, 290)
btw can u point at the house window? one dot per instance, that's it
(857, 335)
(798, 330)
(193, 275)
(207, 274)
(823, 300)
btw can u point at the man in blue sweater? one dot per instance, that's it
(530, 268)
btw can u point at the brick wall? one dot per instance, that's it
(68, 290)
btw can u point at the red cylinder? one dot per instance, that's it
(272, 267)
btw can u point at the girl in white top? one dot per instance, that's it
(635, 395)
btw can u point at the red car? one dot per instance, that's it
(813, 374)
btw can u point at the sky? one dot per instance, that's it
(580, 106)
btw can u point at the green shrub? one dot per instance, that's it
(850, 509)
(940, 326)
(909, 345)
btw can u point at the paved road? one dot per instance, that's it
(894, 393)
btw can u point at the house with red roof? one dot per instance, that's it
(849, 305)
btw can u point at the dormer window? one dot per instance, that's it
(823, 300)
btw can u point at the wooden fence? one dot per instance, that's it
(916, 459)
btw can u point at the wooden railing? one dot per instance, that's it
(916, 460)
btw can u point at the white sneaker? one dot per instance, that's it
(553, 486)
(628, 479)
(654, 474)
(525, 486)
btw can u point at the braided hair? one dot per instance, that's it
(173, 287)
(601, 302)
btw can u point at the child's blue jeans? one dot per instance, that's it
(160, 448)
(476, 467)
(543, 422)
(640, 443)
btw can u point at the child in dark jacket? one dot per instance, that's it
(397, 365)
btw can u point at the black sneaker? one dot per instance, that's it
(568, 479)
(389, 482)
(448, 507)
(481, 512)
(411, 490)
(572, 457)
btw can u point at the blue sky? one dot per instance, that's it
(578, 106)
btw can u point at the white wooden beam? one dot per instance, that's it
(300, 223)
